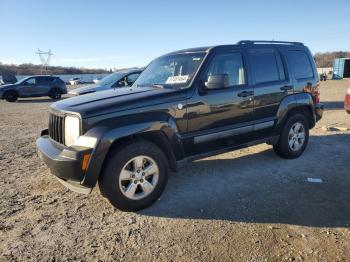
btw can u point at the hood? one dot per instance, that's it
(7, 86)
(84, 90)
(114, 100)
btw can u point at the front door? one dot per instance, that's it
(27, 88)
(225, 112)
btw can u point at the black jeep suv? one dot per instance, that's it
(186, 105)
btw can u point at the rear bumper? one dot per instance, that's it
(318, 108)
(64, 162)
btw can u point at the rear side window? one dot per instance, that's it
(300, 63)
(266, 65)
(43, 79)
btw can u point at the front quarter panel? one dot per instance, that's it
(106, 136)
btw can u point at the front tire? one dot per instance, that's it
(294, 137)
(134, 175)
(11, 96)
(55, 93)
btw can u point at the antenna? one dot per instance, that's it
(45, 58)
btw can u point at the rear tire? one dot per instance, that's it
(11, 96)
(134, 175)
(55, 93)
(294, 137)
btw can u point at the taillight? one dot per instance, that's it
(317, 95)
(314, 91)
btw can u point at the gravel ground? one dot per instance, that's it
(247, 205)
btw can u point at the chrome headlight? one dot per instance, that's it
(71, 129)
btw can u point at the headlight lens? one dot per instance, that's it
(71, 129)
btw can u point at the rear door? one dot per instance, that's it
(271, 83)
(43, 85)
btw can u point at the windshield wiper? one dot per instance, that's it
(151, 85)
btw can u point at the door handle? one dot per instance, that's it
(245, 93)
(286, 88)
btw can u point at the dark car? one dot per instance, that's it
(185, 105)
(118, 79)
(34, 86)
(323, 77)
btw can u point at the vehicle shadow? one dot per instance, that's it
(263, 188)
(333, 105)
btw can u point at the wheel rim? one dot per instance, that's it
(139, 177)
(11, 96)
(296, 136)
(56, 95)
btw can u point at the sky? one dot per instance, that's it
(118, 34)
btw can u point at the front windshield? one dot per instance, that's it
(171, 70)
(110, 79)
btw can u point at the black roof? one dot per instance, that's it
(240, 43)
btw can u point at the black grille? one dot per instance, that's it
(56, 128)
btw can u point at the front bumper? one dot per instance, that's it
(318, 108)
(64, 162)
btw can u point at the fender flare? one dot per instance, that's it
(292, 102)
(107, 136)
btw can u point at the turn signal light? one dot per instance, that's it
(85, 162)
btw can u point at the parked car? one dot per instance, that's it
(75, 81)
(185, 105)
(347, 101)
(34, 86)
(323, 77)
(9, 78)
(118, 79)
(96, 80)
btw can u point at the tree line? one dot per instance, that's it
(31, 69)
(321, 59)
(326, 59)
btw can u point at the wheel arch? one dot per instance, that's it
(162, 133)
(297, 103)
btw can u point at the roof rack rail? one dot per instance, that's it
(252, 42)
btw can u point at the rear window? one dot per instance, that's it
(300, 63)
(266, 65)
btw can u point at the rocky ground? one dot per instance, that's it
(247, 205)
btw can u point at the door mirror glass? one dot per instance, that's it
(217, 81)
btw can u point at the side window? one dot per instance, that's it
(230, 64)
(300, 63)
(42, 80)
(266, 65)
(132, 78)
(31, 81)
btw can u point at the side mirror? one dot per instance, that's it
(217, 81)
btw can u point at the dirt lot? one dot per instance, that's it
(247, 205)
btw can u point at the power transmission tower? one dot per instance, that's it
(45, 58)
